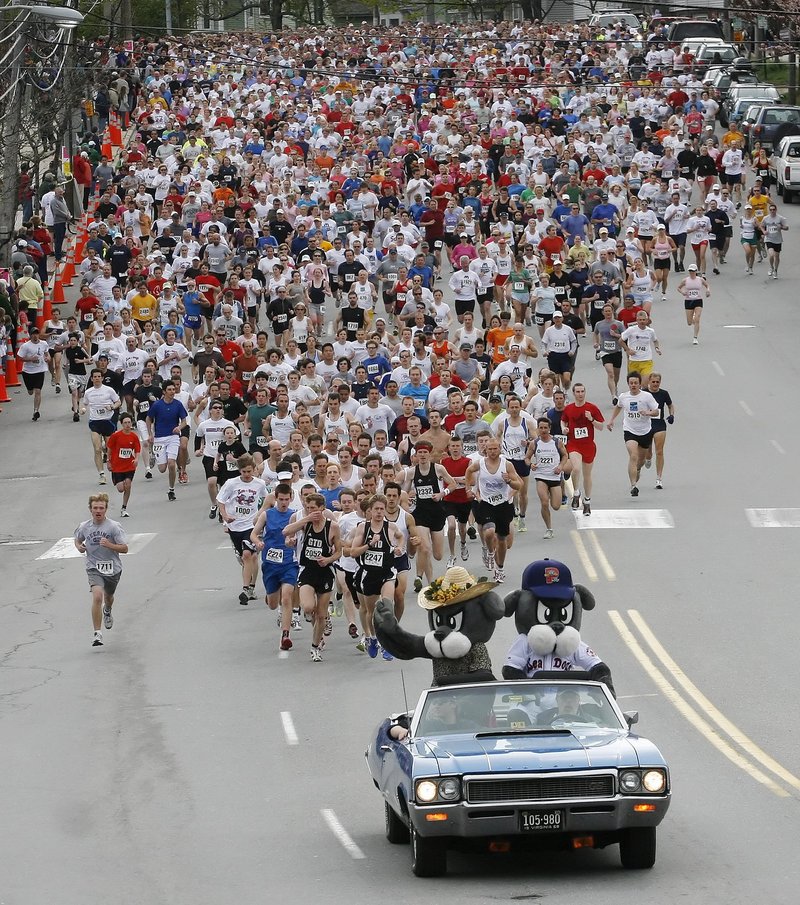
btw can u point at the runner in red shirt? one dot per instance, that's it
(579, 419)
(124, 448)
(457, 502)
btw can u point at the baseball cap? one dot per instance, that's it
(692, 267)
(548, 578)
(603, 229)
(748, 207)
(495, 398)
(101, 355)
(558, 314)
(284, 475)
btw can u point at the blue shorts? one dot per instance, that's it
(192, 321)
(277, 574)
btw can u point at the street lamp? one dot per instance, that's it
(11, 124)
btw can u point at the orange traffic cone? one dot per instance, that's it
(12, 375)
(68, 270)
(114, 132)
(4, 397)
(58, 291)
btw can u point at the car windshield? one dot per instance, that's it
(789, 115)
(516, 707)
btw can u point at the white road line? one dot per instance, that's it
(688, 712)
(746, 408)
(341, 834)
(718, 368)
(65, 547)
(773, 518)
(744, 742)
(20, 543)
(605, 565)
(777, 446)
(583, 556)
(288, 728)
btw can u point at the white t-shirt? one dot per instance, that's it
(242, 499)
(633, 421)
(214, 433)
(640, 342)
(36, 351)
(100, 401)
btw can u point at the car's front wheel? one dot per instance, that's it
(637, 848)
(396, 830)
(428, 856)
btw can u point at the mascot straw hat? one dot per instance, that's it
(455, 586)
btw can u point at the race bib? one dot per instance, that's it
(495, 499)
(514, 452)
(144, 312)
(581, 433)
(247, 375)
(640, 349)
(437, 243)
(126, 454)
(372, 558)
(546, 460)
(469, 447)
(313, 553)
(425, 493)
(519, 287)
(242, 510)
(274, 554)
(106, 567)
(610, 345)
(261, 441)
(89, 317)
(101, 411)
(349, 277)
(352, 326)
(341, 230)
(232, 465)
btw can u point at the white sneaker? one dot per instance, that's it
(108, 619)
(548, 534)
(97, 641)
(451, 561)
(499, 576)
(316, 655)
(521, 526)
(464, 553)
(695, 341)
(124, 513)
(774, 274)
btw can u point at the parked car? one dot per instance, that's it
(604, 18)
(769, 121)
(784, 167)
(694, 28)
(721, 78)
(718, 53)
(739, 96)
(543, 763)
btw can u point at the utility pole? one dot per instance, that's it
(10, 129)
(168, 12)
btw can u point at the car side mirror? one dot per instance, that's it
(631, 717)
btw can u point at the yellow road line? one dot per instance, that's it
(583, 555)
(605, 565)
(746, 743)
(688, 712)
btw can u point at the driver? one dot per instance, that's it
(569, 709)
(442, 715)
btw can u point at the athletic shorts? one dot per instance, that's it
(613, 358)
(105, 427)
(691, 304)
(522, 468)
(661, 264)
(186, 431)
(459, 511)
(430, 516)
(751, 241)
(560, 362)
(117, 477)
(317, 577)
(643, 367)
(208, 466)
(241, 541)
(500, 279)
(500, 516)
(402, 563)
(587, 451)
(774, 246)
(370, 581)
(698, 245)
(551, 482)
(192, 321)
(679, 239)
(732, 178)
(645, 441)
(128, 388)
(464, 305)
(657, 426)
(33, 381)
(276, 574)
(485, 295)
(541, 319)
(166, 448)
(77, 382)
(107, 582)
(142, 431)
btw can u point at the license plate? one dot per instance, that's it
(541, 821)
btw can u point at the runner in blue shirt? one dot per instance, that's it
(165, 420)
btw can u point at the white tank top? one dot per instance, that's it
(491, 487)
(661, 250)
(692, 288)
(641, 288)
(337, 426)
(515, 439)
(281, 428)
(401, 522)
(547, 457)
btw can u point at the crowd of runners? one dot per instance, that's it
(350, 272)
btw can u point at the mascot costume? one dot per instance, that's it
(547, 612)
(462, 614)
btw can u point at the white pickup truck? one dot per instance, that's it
(784, 167)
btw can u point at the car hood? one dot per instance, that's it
(531, 753)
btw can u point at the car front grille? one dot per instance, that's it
(539, 788)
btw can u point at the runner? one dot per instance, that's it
(772, 226)
(124, 448)
(548, 460)
(53, 331)
(659, 423)
(239, 502)
(516, 429)
(278, 567)
(375, 545)
(405, 522)
(694, 290)
(318, 548)
(607, 347)
(346, 567)
(579, 420)
(210, 433)
(166, 418)
(639, 409)
(103, 404)
(77, 359)
(749, 236)
(457, 504)
(639, 342)
(102, 540)
(35, 358)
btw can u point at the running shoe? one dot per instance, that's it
(148, 475)
(101, 478)
(576, 501)
(587, 508)
(614, 400)
(170, 495)
(451, 561)
(330, 608)
(471, 532)
(548, 534)
(124, 512)
(634, 490)
(212, 512)
(774, 274)
(418, 584)
(659, 485)
(663, 298)
(523, 528)
(183, 477)
(328, 627)
(251, 592)
(76, 416)
(296, 623)
(108, 619)
(352, 630)
(244, 597)
(464, 553)
(695, 341)
(286, 641)
(564, 499)
(362, 644)
(499, 576)
(715, 271)
(372, 647)
(58, 388)
(97, 640)
(338, 609)
(316, 655)
(385, 654)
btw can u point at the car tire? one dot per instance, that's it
(779, 189)
(787, 196)
(428, 856)
(637, 848)
(396, 830)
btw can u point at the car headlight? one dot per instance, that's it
(654, 781)
(630, 781)
(449, 789)
(426, 790)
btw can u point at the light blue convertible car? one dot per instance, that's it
(502, 765)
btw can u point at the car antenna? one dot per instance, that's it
(405, 696)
